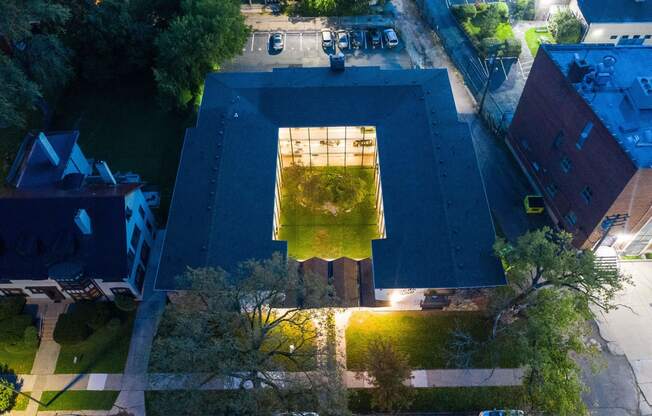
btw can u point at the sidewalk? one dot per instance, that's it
(449, 378)
(270, 23)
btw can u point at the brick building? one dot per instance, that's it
(583, 133)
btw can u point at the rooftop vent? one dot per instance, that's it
(578, 69)
(641, 93)
(83, 222)
(47, 148)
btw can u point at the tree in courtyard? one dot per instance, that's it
(208, 33)
(566, 27)
(546, 259)
(489, 20)
(7, 396)
(260, 326)
(388, 369)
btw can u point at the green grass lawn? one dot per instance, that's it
(423, 335)
(450, 399)
(78, 400)
(20, 403)
(324, 235)
(532, 39)
(105, 351)
(504, 31)
(125, 126)
(19, 360)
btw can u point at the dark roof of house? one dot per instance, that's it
(439, 229)
(615, 11)
(38, 233)
(31, 167)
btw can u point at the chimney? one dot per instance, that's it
(105, 172)
(47, 148)
(83, 222)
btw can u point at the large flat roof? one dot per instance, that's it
(616, 11)
(622, 103)
(439, 229)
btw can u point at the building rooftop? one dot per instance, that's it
(616, 11)
(439, 229)
(616, 81)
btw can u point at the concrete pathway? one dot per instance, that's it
(269, 23)
(449, 378)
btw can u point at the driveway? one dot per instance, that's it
(628, 330)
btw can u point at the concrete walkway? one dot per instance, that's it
(270, 23)
(449, 378)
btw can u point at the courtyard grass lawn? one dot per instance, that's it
(450, 399)
(125, 126)
(328, 236)
(78, 400)
(532, 39)
(19, 359)
(423, 335)
(21, 403)
(105, 351)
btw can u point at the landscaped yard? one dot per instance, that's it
(125, 126)
(424, 336)
(450, 399)
(105, 351)
(17, 358)
(78, 400)
(534, 37)
(487, 26)
(321, 233)
(18, 336)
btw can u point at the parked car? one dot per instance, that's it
(326, 39)
(357, 39)
(391, 39)
(277, 41)
(502, 413)
(343, 39)
(374, 34)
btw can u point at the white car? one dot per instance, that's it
(326, 39)
(343, 39)
(502, 413)
(277, 41)
(391, 39)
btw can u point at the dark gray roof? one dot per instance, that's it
(616, 11)
(439, 230)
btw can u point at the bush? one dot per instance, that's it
(11, 306)
(7, 396)
(30, 337)
(465, 12)
(13, 329)
(481, 7)
(512, 47)
(114, 324)
(95, 314)
(566, 27)
(503, 10)
(71, 329)
(125, 303)
(524, 10)
(489, 22)
(488, 45)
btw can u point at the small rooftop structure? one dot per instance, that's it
(616, 11)
(439, 232)
(616, 82)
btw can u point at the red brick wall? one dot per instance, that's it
(550, 104)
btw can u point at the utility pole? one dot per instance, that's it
(608, 223)
(493, 61)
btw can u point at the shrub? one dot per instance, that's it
(11, 306)
(71, 329)
(465, 12)
(488, 45)
(503, 10)
(481, 7)
(125, 303)
(13, 329)
(524, 10)
(30, 337)
(512, 47)
(7, 396)
(114, 324)
(566, 27)
(95, 314)
(489, 22)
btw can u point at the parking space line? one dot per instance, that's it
(300, 41)
(253, 36)
(365, 38)
(381, 42)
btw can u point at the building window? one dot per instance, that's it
(12, 292)
(36, 290)
(584, 135)
(613, 37)
(571, 218)
(566, 165)
(141, 211)
(122, 291)
(587, 194)
(552, 189)
(144, 252)
(559, 140)
(135, 237)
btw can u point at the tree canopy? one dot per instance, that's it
(566, 27)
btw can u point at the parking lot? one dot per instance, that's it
(304, 49)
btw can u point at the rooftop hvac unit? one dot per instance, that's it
(641, 93)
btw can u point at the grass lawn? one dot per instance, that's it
(504, 31)
(21, 403)
(125, 126)
(19, 360)
(532, 39)
(105, 351)
(310, 233)
(78, 400)
(450, 399)
(423, 335)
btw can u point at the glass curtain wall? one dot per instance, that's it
(328, 146)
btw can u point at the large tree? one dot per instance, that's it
(208, 33)
(547, 259)
(18, 17)
(566, 27)
(257, 327)
(17, 94)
